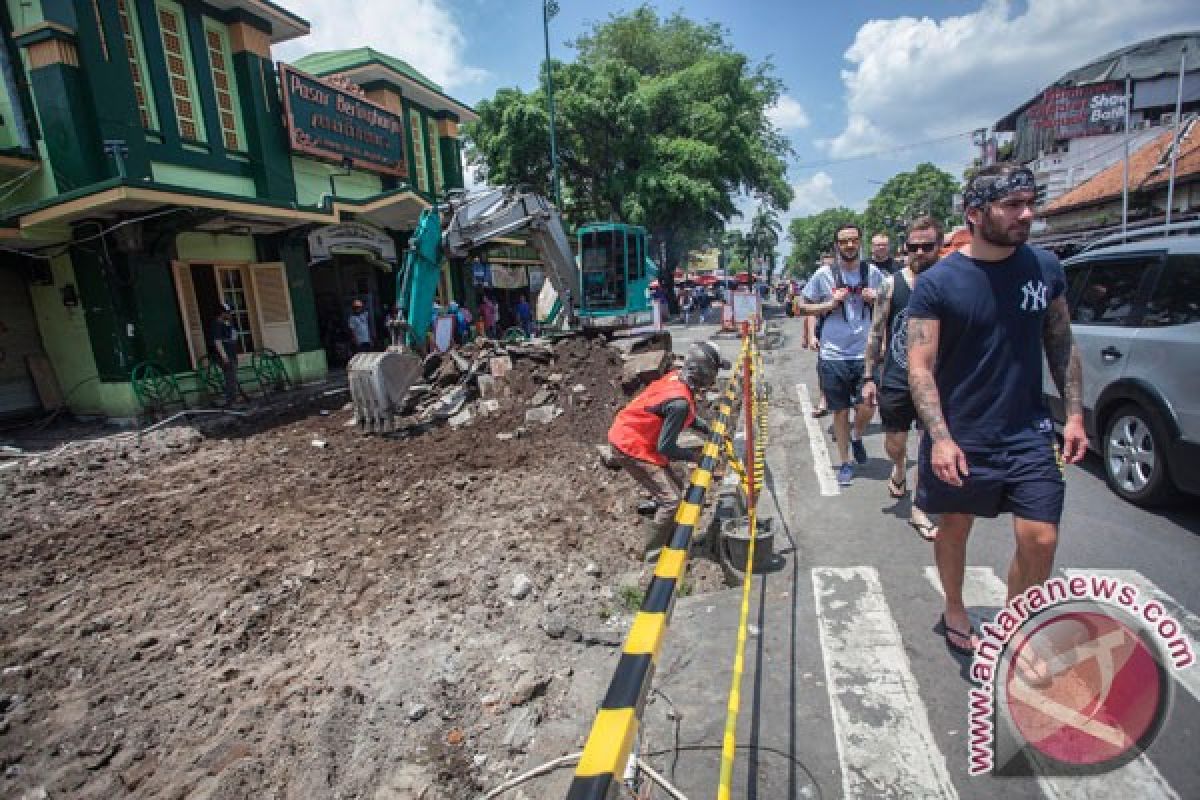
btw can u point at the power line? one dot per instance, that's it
(884, 152)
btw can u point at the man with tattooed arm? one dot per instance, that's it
(979, 322)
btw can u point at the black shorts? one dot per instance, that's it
(896, 410)
(1024, 480)
(841, 382)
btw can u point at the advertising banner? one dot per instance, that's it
(333, 123)
(1074, 111)
(351, 237)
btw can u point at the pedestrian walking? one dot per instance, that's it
(843, 294)
(687, 304)
(980, 322)
(881, 254)
(225, 350)
(703, 304)
(887, 344)
(524, 315)
(359, 325)
(644, 435)
(490, 313)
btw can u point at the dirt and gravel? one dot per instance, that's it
(282, 607)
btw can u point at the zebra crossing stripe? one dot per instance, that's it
(1138, 778)
(867, 672)
(1189, 678)
(816, 440)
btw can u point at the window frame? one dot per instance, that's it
(213, 26)
(131, 35)
(435, 156)
(187, 54)
(416, 129)
(1151, 261)
(1165, 272)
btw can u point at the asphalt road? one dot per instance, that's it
(849, 690)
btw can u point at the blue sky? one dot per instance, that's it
(864, 79)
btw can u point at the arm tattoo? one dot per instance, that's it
(1063, 356)
(922, 349)
(878, 334)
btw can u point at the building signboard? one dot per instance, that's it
(331, 122)
(1075, 111)
(351, 237)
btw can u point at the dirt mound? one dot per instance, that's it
(288, 608)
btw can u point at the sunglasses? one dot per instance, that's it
(920, 247)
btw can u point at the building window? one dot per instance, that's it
(232, 285)
(418, 145)
(435, 157)
(180, 72)
(135, 53)
(225, 85)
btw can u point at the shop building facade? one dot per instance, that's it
(156, 162)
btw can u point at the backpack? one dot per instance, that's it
(864, 273)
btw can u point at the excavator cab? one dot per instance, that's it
(615, 274)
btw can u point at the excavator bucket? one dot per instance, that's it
(379, 383)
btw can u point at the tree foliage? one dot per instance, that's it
(812, 237)
(908, 195)
(659, 123)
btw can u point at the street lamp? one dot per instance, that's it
(549, 9)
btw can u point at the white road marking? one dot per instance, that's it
(816, 440)
(1138, 778)
(884, 742)
(1188, 678)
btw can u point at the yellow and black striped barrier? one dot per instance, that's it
(598, 774)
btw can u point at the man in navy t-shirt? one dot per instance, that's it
(979, 323)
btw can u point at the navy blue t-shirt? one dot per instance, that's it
(989, 360)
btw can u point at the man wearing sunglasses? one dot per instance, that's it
(980, 322)
(844, 294)
(888, 345)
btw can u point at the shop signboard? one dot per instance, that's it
(1075, 111)
(348, 238)
(335, 123)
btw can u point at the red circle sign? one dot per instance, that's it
(1083, 688)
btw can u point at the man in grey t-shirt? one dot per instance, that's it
(844, 295)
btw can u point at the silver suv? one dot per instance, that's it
(1135, 315)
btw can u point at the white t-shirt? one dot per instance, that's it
(844, 333)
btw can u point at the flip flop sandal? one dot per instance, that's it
(947, 632)
(926, 530)
(897, 490)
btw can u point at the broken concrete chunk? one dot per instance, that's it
(461, 418)
(645, 368)
(521, 729)
(487, 407)
(487, 386)
(500, 366)
(541, 397)
(542, 414)
(521, 586)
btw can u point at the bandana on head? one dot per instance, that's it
(986, 189)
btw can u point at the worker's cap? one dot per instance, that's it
(702, 363)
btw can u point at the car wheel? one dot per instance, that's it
(1135, 457)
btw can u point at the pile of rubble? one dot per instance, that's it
(528, 383)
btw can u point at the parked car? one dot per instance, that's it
(1135, 316)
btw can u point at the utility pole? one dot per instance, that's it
(549, 9)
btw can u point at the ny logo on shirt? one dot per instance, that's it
(1033, 298)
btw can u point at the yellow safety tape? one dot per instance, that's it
(702, 478)
(729, 740)
(646, 634)
(608, 746)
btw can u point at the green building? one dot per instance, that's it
(156, 162)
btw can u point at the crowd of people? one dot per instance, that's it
(949, 344)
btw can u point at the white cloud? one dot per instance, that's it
(787, 114)
(916, 79)
(813, 195)
(421, 32)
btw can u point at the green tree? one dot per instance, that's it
(812, 236)
(659, 123)
(907, 195)
(765, 229)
